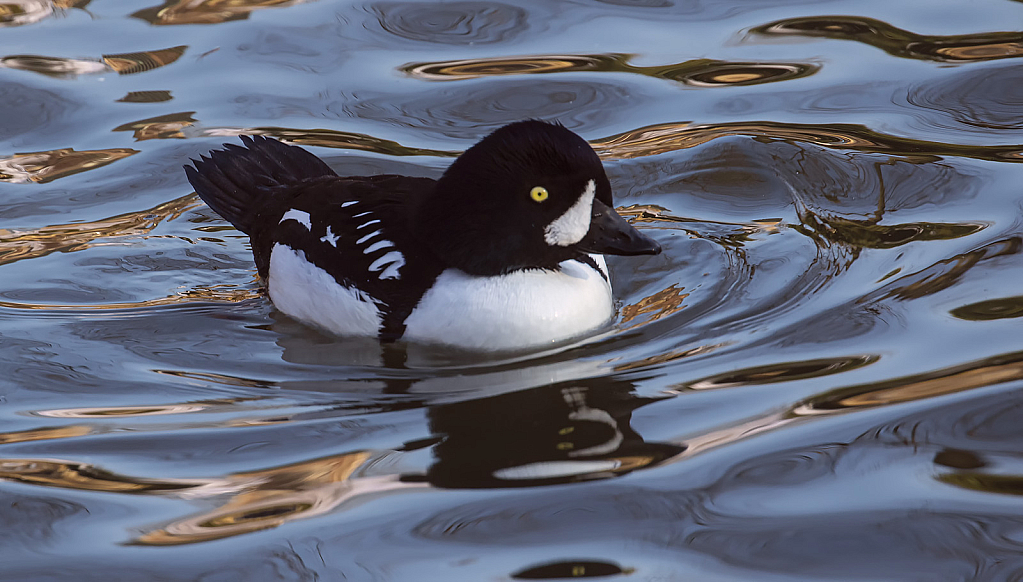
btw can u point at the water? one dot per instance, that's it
(816, 381)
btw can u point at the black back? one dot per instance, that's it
(254, 187)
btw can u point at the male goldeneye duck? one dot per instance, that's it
(502, 252)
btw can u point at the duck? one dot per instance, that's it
(505, 251)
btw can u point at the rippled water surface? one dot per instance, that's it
(818, 380)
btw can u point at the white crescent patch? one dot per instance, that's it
(572, 226)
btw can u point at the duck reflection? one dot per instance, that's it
(546, 435)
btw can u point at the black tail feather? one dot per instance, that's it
(236, 181)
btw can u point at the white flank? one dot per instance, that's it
(572, 226)
(362, 226)
(380, 244)
(368, 236)
(309, 294)
(391, 257)
(300, 215)
(349, 203)
(518, 310)
(330, 237)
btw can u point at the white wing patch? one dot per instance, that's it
(364, 225)
(299, 215)
(308, 293)
(572, 226)
(349, 203)
(330, 237)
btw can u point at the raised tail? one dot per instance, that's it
(236, 181)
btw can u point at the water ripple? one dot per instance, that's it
(450, 23)
(902, 43)
(668, 137)
(987, 98)
(698, 72)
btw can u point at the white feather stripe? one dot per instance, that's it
(349, 203)
(368, 236)
(380, 244)
(364, 225)
(309, 294)
(572, 226)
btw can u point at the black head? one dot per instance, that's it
(530, 195)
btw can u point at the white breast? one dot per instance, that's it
(308, 293)
(518, 310)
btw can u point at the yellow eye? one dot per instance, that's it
(539, 194)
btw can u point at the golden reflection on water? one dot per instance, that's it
(949, 381)
(124, 411)
(122, 64)
(45, 434)
(668, 137)
(1002, 308)
(265, 499)
(985, 482)
(131, 63)
(346, 140)
(47, 166)
(146, 97)
(168, 126)
(870, 234)
(917, 387)
(328, 138)
(666, 357)
(249, 501)
(206, 11)
(216, 378)
(21, 12)
(988, 372)
(783, 372)
(660, 304)
(946, 273)
(902, 43)
(699, 72)
(16, 245)
(85, 477)
(214, 294)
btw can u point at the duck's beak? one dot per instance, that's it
(610, 234)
